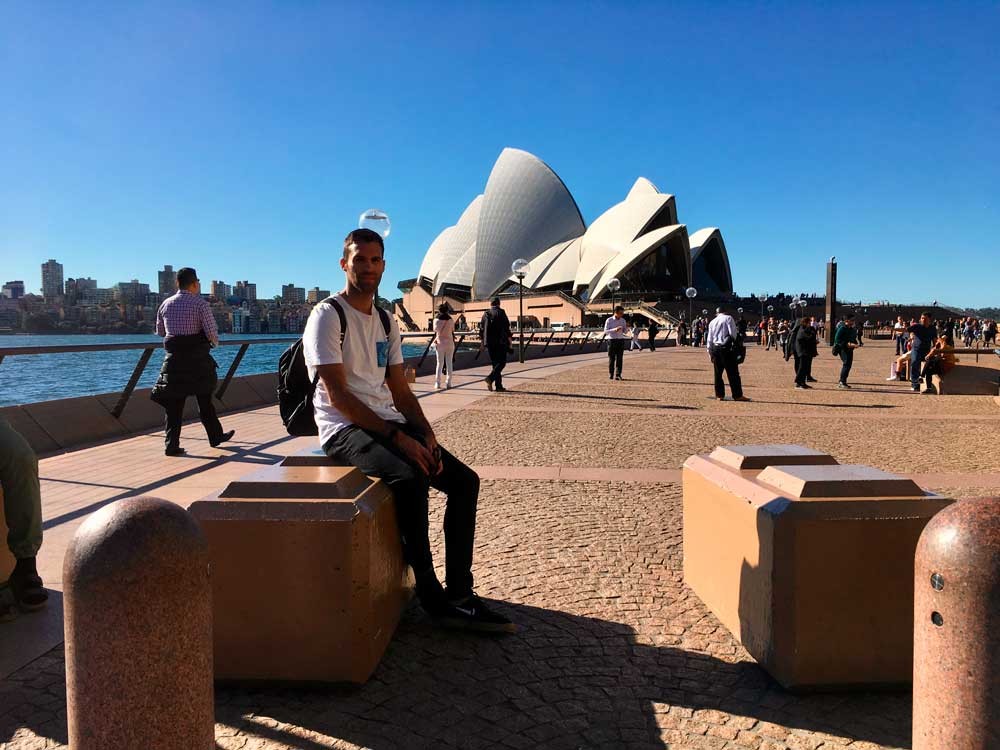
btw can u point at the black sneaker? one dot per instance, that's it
(844, 385)
(471, 613)
(174, 452)
(811, 379)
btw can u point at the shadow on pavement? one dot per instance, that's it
(564, 681)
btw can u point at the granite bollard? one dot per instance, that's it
(139, 630)
(956, 632)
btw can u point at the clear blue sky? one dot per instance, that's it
(245, 138)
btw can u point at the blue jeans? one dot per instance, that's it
(916, 358)
(900, 344)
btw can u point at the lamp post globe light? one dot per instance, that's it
(613, 286)
(690, 293)
(520, 267)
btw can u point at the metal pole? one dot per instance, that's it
(132, 382)
(232, 371)
(520, 316)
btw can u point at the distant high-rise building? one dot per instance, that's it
(98, 296)
(167, 280)
(293, 295)
(316, 294)
(132, 292)
(221, 290)
(245, 291)
(52, 279)
(76, 287)
(13, 289)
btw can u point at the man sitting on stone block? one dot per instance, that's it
(367, 416)
(22, 507)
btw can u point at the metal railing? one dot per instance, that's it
(556, 336)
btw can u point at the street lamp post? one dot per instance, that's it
(520, 268)
(613, 286)
(690, 293)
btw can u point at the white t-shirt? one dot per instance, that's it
(615, 327)
(364, 356)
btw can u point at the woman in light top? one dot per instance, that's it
(444, 345)
(635, 336)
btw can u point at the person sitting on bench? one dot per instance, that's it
(939, 361)
(367, 416)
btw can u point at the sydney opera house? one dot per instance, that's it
(526, 211)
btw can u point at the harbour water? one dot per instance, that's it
(29, 378)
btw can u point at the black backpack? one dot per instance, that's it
(295, 390)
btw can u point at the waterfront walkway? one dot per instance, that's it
(579, 534)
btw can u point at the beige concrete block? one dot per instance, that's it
(818, 588)
(846, 481)
(305, 590)
(747, 457)
(39, 440)
(75, 421)
(300, 482)
(311, 457)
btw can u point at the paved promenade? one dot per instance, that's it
(579, 535)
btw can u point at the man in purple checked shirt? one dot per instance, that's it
(186, 323)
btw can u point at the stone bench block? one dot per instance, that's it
(308, 578)
(810, 567)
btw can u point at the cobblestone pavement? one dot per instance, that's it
(614, 650)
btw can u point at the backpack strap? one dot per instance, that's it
(343, 330)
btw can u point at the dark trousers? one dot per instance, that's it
(498, 358)
(847, 361)
(206, 410)
(726, 362)
(803, 369)
(652, 342)
(916, 360)
(933, 366)
(616, 351)
(409, 486)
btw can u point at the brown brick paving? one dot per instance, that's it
(614, 651)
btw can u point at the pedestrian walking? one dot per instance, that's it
(725, 351)
(615, 329)
(495, 336)
(806, 349)
(444, 345)
(634, 333)
(189, 332)
(924, 334)
(653, 331)
(367, 415)
(845, 341)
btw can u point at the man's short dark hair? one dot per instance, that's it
(361, 237)
(849, 316)
(495, 302)
(186, 277)
(927, 314)
(619, 308)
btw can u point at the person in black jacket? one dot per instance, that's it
(495, 336)
(186, 323)
(804, 345)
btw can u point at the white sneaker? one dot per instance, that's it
(437, 386)
(448, 384)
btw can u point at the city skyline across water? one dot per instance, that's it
(42, 377)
